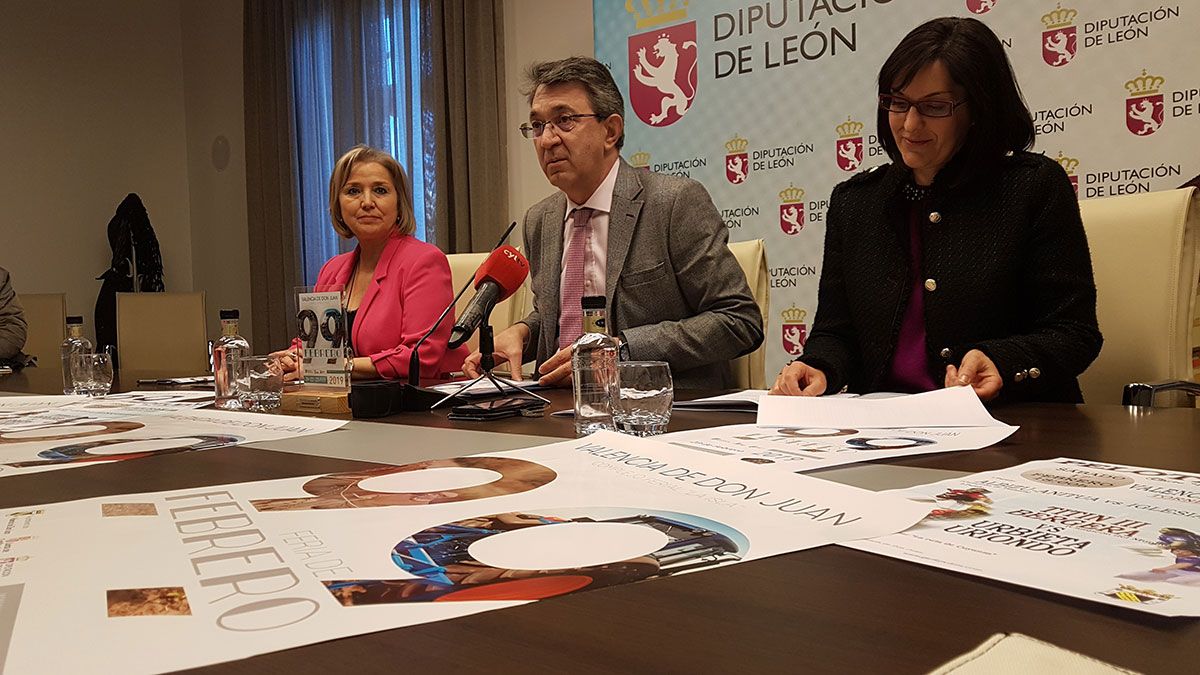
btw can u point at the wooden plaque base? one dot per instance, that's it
(317, 400)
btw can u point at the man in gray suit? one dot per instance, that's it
(653, 245)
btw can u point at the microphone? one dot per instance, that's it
(379, 398)
(497, 278)
(414, 359)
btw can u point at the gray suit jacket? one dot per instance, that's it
(674, 290)
(12, 319)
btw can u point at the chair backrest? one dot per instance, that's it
(505, 314)
(749, 371)
(46, 316)
(162, 333)
(1146, 256)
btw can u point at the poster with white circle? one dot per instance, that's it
(47, 433)
(800, 448)
(192, 577)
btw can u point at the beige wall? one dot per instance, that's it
(93, 110)
(535, 30)
(216, 156)
(103, 99)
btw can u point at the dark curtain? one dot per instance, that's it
(466, 94)
(275, 268)
(422, 79)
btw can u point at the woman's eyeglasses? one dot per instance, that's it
(928, 108)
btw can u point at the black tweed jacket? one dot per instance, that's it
(1006, 269)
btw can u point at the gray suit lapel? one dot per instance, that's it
(622, 218)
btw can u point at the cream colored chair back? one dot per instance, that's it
(749, 371)
(46, 316)
(162, 333)
(1146, 256)
(505, 314)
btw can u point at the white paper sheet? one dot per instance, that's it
(482, 388)
(45, 433)
(1119, 535)
(177, 399)
(952, 407)
(797, 449)
(193, 577)
(739, 401)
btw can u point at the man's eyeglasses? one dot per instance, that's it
(563, 123)
(931, 108)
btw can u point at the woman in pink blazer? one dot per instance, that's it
(396, 284)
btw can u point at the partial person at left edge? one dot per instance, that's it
(12, 325)
(396, 285)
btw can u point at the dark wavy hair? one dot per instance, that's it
(975, 58)
(602, 91)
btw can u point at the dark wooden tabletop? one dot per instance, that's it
(825, 610)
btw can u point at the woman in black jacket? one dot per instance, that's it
(964, 261)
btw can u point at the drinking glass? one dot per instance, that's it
(259, 382)
(92, 374)
(644, 407)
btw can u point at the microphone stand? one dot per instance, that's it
(414, 397)
(487, 361)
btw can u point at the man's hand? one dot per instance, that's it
(978, 372)
(799, 379)
(556, 371)
(510, 348)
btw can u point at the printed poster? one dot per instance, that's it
(324, 338)
(200, 576)
(1120, 535)
(800, 449)
(44, 433)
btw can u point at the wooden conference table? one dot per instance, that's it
(824, 610)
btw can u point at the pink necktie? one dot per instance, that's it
(570, 313)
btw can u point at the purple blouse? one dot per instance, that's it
(910, 362)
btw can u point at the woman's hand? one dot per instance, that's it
(799, 379)
(289, 361)
(978, 372)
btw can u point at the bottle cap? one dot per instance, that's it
(74, 320)
(229, 314)
(593, 302)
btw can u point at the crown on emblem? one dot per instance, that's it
(736, 145)
(849, 128)
(1069, 164)
(1059, 18)
(1144, 85)
(640, 159)
(656, 13)
(791, 194)
(793, 314)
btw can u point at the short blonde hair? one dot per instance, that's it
(365, 154)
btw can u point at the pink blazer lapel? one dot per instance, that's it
(381, 272)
